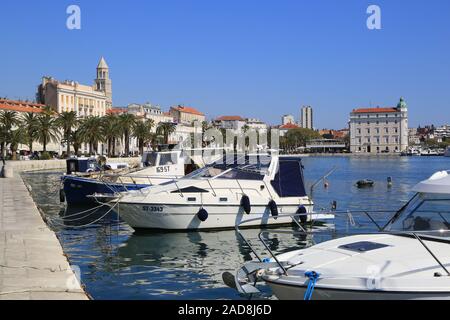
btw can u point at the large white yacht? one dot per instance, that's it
(221, 195)
(408, 259)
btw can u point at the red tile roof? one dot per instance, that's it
(289, 126)
(375, 110)
(20, 106)
(116, 110)
(230, 118)
(188, 110)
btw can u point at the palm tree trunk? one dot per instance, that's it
(68, 144)
(45, 144)
(114, 147)
(127, 143)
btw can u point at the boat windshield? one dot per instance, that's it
(149, 159)
(244, 167)
(426, 213)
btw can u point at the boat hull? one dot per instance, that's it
(289, 292)
(184, 217)
(78, 189)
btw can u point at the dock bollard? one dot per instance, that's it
(8, 171)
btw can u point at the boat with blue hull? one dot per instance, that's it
(157, 167)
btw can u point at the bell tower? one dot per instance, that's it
(103, 82)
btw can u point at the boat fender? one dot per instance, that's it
(245, 204)
(202, 215)
(302, 210)
(273, 208)
(62, 195)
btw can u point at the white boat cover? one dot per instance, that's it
(437, 183)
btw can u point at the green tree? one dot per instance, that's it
(142, 131)
(165, 129)
(67, 121)
(91, 132)
(111, 132)
(17, 137)
(298, 137)
(8, 120)
(127, 122)
(47, 129)
(77, 140)
(30, 123)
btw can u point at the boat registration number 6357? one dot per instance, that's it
(152, 209)
(163, 169)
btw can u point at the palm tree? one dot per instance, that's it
(30, 122)
(165, 129)
(127, 122)
(67, 121)
(8, 119)
(77, 140)
(143, 132)
(91, 132)
(111, 131)
(16, 137)
(47, 130)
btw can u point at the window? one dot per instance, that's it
(167, 159)
(368, 131)
(396, 130)
(378, 130)
(359, 131)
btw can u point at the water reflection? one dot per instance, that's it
(117, 263)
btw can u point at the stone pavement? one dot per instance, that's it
(32, 263)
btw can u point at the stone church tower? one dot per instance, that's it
(103, 82)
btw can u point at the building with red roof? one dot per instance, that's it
(186, 115)
(20, 106)
(379, 130)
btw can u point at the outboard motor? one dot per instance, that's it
(273, 209)
(245, 204)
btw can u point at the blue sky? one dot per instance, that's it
(253, 58)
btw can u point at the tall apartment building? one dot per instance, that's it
(85, 100)
(377, 130)
(306, 117)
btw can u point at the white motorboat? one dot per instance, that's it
(221, 195)
(447, 152)
(429, 153)
(408, 259)
(157, 167)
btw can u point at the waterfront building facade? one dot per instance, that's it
(379, 130)
(85, 100)
(284, 129)
(233, 123)
(186, 115)
(256, 124)
(287, 119)
(306, 117)
(442, 132)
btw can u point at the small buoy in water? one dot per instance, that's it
(245, 204)
(389, 181)
(303, 217)
(62, 196)
(202, 215)
(326, 184)
(273, 208)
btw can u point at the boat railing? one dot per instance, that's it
(349, 215)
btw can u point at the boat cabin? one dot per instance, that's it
(82, 165)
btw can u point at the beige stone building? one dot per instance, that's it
(186, 115)
(379, 130)
(85, 100)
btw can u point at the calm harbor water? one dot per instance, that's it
(117, 263)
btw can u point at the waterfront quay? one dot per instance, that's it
(32, 263)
